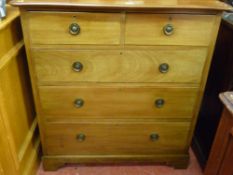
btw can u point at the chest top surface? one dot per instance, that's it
(136, 5)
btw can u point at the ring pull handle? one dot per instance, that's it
(77, 66)
(81, 137)
(154, 137)
(78, 103)
(168, 29)
(74, 29)
(164, 68)
(159, 103)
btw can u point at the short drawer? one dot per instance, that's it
(169, 29)
(179, 65)
(117, 101)
(74, 28)
(116, 138)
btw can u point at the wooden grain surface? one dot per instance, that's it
(116, 28)
(96, 28)
(9, 36)
(16, 109)
(18, 142)
(55, 66)
(7, 158)
(147, 29)
(128, 5)
(115, 102)
(220, 159)
(13, 89)
(227, 168)
(116, 138)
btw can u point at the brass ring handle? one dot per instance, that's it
(78, 103)
(168, 29)
(77, 66)
(74, 29)
(154, 137)
(81, 137)
(164, 68)
(159, 103)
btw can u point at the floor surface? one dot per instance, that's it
(193, 169)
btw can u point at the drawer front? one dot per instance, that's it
(116, 138)
(74, 28)
(184, 65)
(165, 29)
(117, 101)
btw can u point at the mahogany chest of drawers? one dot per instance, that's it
(118, 81)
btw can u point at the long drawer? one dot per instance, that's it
(179, 65)
(169, 29)
(116, 138)
(117, 101)
(88, 28)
